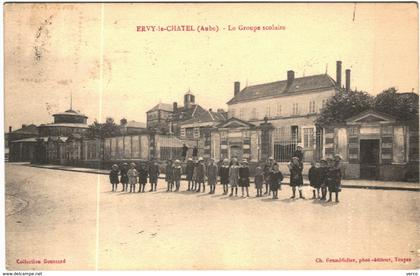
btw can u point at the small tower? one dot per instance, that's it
(189, 99)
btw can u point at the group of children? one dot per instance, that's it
(323, 176)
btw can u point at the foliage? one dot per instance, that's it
(403, 106)
(107, 129)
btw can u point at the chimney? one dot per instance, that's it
(10, 129)
(347, 80)
(338, 75)
(23, 125)
(290, 77)
(175, 107)
(210, 109)
(237, 88)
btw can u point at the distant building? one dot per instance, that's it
(20, 143)
(283, 111)
(132, 127)
(65, 124)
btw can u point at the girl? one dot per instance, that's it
(200, 175)
(244, 177)
(142, 177)
(169, 176)
(334, 178)
(224, 176)
(189, 173)
(234, 176)
(153, 175)
(212, 172)
(323, 175)
(314, 179)
(258, 180)
(124, 177)
(275, 180)
(296, 178)
(113, 177)
(132, 177)
(177, 171)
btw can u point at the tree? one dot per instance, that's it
(344, 105)
(403, 106)
(107, 129)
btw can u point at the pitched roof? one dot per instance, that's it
(370, 115)
(135, 124)
(65, 125)
(234, 122)
(204, 117)
(29, 129)
(162, 106)
(280, 88)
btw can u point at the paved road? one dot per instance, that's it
(56, 214)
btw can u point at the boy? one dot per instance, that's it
(153, 175)
(124, 177)
(323, 176)
(142, 177)
(177, 171)
(200, 175)
(258, 180)
(212, 172)
(132, 177)
(113, 177)
(275, 179)
(169, 176)
(314, 179)
(334, 178)
(224, 176)
(234, 176)
(244, 177)
(189, 171)
(296, 178)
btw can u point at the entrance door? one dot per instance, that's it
(369, 159)
(236, 151)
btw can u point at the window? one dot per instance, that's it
(324, 103)
(311, 107)
(353, 131)
(196, 132)
(241, 113)
(190, 132)
(267, 111)
(278, 109)
(254, 114)
(295, 110)
(183, 132)
(308, 137)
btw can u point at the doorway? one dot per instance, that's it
(236, 152)
(369, 159)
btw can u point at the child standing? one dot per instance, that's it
(323, 175)
(244, 177)
(124, 177)
(212, 172)
(296, 178)
(132, 177)
(153, 175)
(142, 177)
(234, 176)
(113, 177)
(169, 175)
(275, 179)
(177, 171)
(314, 179)
(189, 173)
(200, 175)
(334, 178)
(258, 180)
(224, 176)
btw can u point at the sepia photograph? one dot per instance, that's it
(211, 136)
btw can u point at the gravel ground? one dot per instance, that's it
(55, 215)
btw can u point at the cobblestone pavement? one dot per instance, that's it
(57, 214)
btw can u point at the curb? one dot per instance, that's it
(350, 186)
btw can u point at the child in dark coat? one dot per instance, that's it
(275, 179)
(154, 172)
(258, 180)
(200, 175)
(177, 171)
(113, 177)
(322, 176)
(189, 171)
(169, 175)
(124, 176)
(224, 176)
(142, 177)
(314, 179)
(244, 177)
(296, 178)
(212, 173)
(334, 178)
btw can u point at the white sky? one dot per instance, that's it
(140, 69)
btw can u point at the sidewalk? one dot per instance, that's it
(345, 183)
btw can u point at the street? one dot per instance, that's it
(55, 215)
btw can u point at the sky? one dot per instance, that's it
(94, 53)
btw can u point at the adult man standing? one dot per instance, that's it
(268, 169)
(184, 152)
